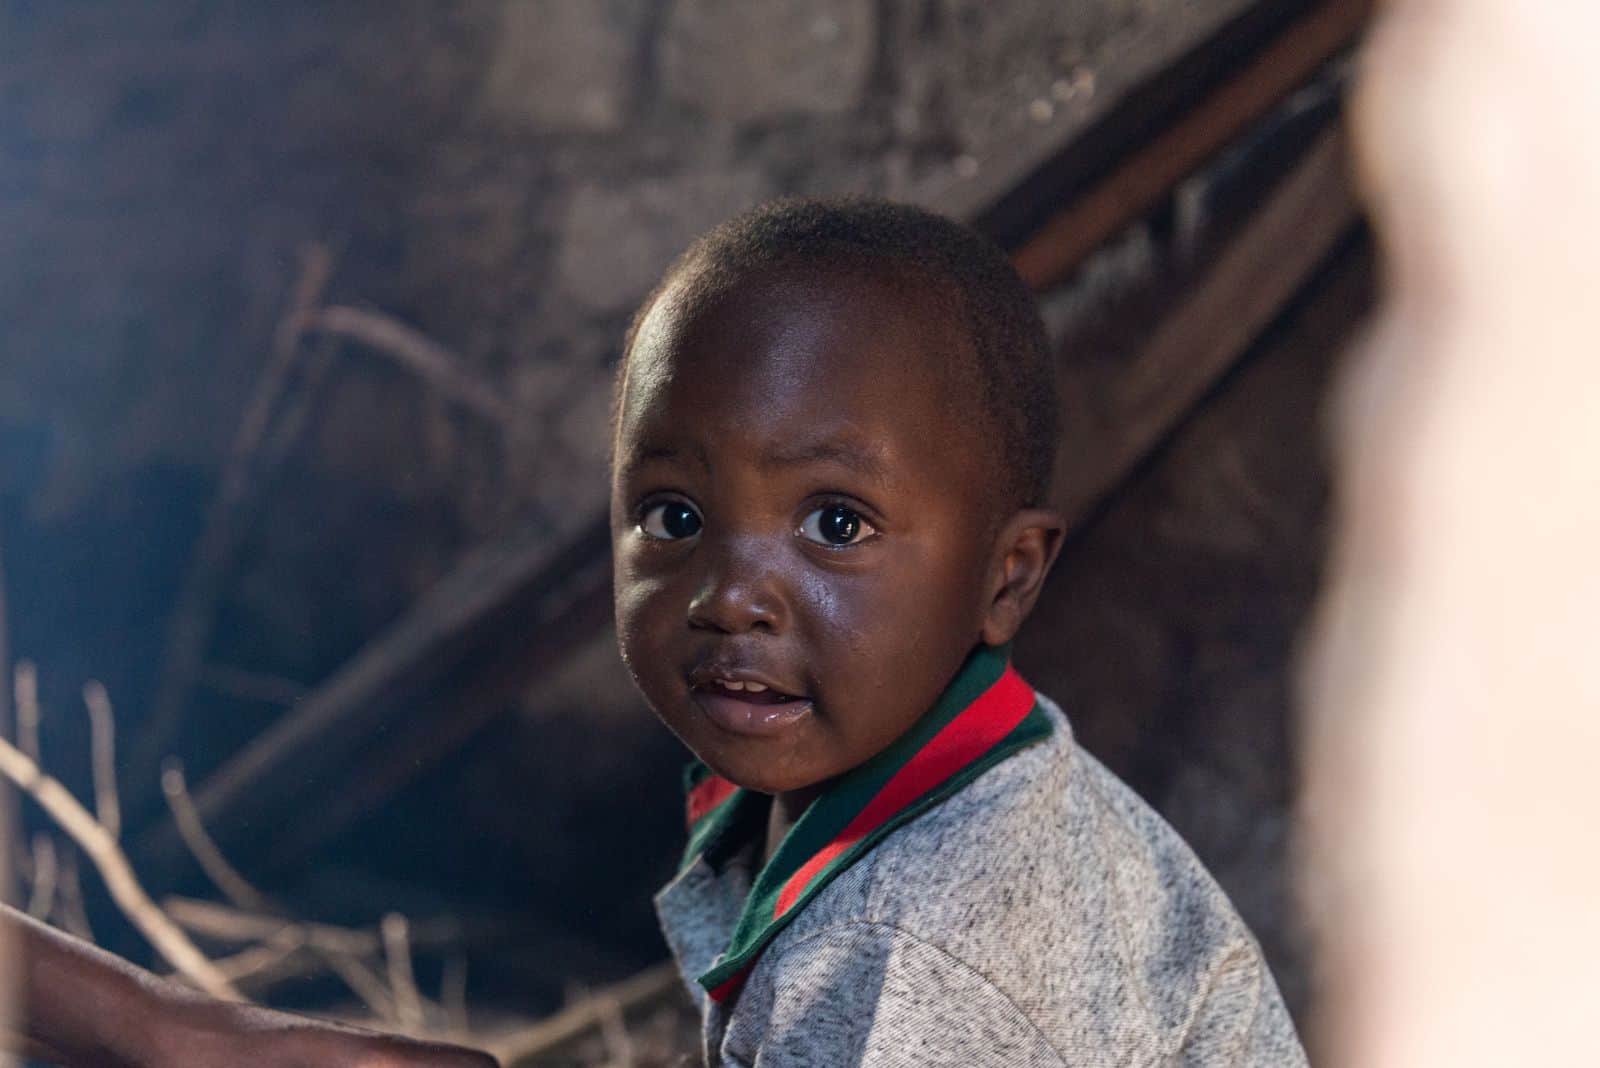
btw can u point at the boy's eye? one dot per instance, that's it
(834, 525)
(670, 520)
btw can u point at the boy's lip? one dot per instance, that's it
(773, 710)
(748, 717)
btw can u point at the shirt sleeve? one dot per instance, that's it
(872, 995)
(1241, 1022)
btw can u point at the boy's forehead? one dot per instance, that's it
(827, 327)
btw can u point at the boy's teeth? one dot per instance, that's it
(736, 686)
(747, 686)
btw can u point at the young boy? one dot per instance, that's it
(834, 431)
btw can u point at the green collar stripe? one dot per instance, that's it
(976, 731)
(986, 713)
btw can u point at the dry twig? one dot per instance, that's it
(8, 828)
(297, 408)
(418, 353)
(583, 1016)
(5, 650)
(251, 962)
(252, 919)
(453, 994)
(69, 895)
(26, 688)
(334, 949)
(224, 923)
(216, 867)
(613, 1031)
(112, 863)
(42, 895)
(402, 981)
(190, 629)
(272, 943)
(250, 685)
(103, 743)
(363, 982)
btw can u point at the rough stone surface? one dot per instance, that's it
(565, 65)
(1044, 67)
(618, 240)
(742, 61)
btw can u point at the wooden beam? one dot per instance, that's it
(478, 638)
(489, 621)
(1019, 186)
(475, 692)
(1243, 289)
(1139, 183)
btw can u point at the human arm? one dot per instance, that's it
(1452, 702)
(78, 1005)
(876, 996)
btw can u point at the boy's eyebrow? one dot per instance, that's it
(643, 454)
(843, 453)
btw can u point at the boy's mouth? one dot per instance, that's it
(757, 693)
(747, 706)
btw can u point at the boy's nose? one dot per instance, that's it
(735, 596)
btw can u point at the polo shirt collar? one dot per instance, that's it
(986, 713)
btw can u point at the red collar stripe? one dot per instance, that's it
(731, 985)
(972, 733)
(707, 795)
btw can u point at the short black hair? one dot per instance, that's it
(1015, 368)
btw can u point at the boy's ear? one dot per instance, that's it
(1024, 551)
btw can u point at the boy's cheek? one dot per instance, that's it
(636, 590)
(641, 610)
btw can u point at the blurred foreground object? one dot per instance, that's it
(1454, 687)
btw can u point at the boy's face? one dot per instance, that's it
(798, 503)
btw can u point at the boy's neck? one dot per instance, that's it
(785, 810)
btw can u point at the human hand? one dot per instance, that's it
(210, 1034)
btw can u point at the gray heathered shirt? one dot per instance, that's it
(1040, 915)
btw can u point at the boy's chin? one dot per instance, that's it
(785, 761)
(765, 780)
(759, 769)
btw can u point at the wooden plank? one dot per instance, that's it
(1021, 186)
(476, 691)
(1140, 182)
(479, 622)
(1240, 294)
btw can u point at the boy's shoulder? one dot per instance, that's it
(1047, 835)
(1048, 888)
